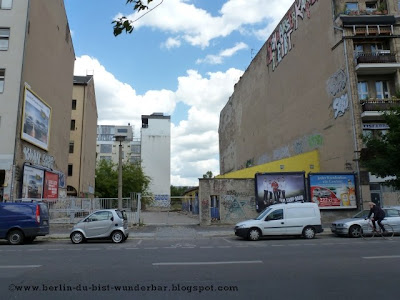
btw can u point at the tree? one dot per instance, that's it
(178, 191)
(133, 179)
(382, 153)
(123, 23)
(208, 174)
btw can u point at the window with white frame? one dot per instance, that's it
(2, 78)
(6, 4)
(371, 6)
(358, 50)
(351, 7)
(105, 148)
(362, 90)
(382, 89)
(4, 38)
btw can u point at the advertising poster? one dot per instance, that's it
(32, 186)
(50, 185)
(337, 191)
(272, 188)
(35, 120)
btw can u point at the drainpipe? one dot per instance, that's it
(356, 151)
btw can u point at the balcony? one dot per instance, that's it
(378, 63)
(373, 109)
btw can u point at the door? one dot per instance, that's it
(99, 224)
(274, 223)
(376, 198)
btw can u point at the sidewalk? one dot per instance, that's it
(62, 231)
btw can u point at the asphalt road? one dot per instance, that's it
(208, 268)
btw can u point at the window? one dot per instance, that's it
(100, 216)
(275, 215)
(73, 104)
(107, 158)
(71, 147)
(358, 49)
(135, 149)
(105, 148)
(362, 90)
(351, 7)
(2, 76)
(122, 130)
(135, 159)
(377, 48)
(70, 170)
(72, 124)
(4, 37)
(5, 4)
(382, 89)
(371, 6)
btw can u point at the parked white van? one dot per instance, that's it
(302, 219)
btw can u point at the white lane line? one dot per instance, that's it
(381, 257)
(242, 246)
(228, 241)
(207, 263)
(206, 247)
(74, 249)
(151, 248)
(138, 243)
(92, 249)
(20, 266)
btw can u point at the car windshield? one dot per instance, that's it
(262, 215)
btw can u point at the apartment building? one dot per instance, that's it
(156, 156)
(82, 144)
(108, 147)
(318, 84)
(36, 74)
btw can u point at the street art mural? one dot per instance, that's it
(234, 208)
(340, 105)
(161, 201)
(279, 43)
(336, 88)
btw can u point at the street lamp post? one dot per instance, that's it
(120, 139)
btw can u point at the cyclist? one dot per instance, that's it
(379, 215)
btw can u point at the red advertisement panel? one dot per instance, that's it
(51, 186)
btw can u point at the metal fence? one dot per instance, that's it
(71, 210)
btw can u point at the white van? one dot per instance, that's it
(283, 219)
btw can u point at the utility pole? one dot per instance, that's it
(120, 139)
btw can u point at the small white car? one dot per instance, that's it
(353, 227)
(303, 219)
(102, 224)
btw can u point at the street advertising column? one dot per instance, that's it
(32, 186)
(50, 185)
(285, 187)
(333, 190)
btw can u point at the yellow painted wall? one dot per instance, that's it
(298, 163)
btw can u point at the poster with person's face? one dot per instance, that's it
(35, 120)
(50, 185)
(32, 186)
(333, 191)
(273, 188)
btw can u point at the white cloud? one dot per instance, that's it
(172, 43)
(218, 59)
(194, 142)
(198, 27)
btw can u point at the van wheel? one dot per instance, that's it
(309, 232)
(254, 234)
(77, 237)
(355, 231)
(117, 237)
(15, 237)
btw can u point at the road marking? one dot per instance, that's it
(207, 263)
(74, 249)
(206, 247)
(93, 249)
(277, 245)
(224, 246)
(132, 248)
(20, 266)
(228, 241)
(381, 257)
(151, 248)
(242, 246)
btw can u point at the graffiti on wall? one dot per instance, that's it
(205, 209)
(235, 208)
(161, 201)
(336, 88)
(279, 43)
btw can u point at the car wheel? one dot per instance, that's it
(15, 237)
(309, 232)
(77, 237)
(254, 234)
(355, 231)
(117, 237)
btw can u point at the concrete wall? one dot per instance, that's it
(236, 198)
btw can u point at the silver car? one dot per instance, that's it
(102, 224)
(353, 227)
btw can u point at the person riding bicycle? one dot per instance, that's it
(379, 215)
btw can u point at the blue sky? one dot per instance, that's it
(182, 59)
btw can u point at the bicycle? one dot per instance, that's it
(368, 231)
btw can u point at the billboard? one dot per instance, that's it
(35, 120)
(333, 190)
(32, 186)
(50, 185)
(272, 188)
